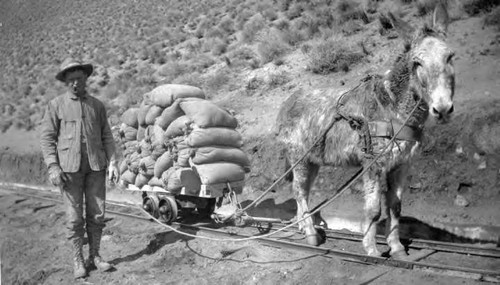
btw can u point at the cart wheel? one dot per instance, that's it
(207, 211)
(168, 209)
(150, 203)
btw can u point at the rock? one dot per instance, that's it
(459, 150)
(482, 165)
(477, 156)
(461, 201)
(416, 185)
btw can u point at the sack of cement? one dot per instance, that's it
(158, 150)
(140, 133)
(124, 165)
(183, 156)
(200, 137)
(141, 114)
(141, 180)
(146, 166)
(155, 181)
(220, 172)
(163, 163)
(212, 154)
(157, 135)
(165, 95)
(129, 134)
(129, 117)
(178, 127)
(172, 179)
(146, 148)
(153, 113)
(128, 176)
(206, 114)
(169, 115)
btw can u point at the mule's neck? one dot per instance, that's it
(400, 92)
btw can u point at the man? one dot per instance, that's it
(77, 146)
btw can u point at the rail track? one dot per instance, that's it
(423, 257)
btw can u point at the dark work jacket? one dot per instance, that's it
(61, 133)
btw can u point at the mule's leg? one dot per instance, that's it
(304, 175)
(396, 183)
(372, 210)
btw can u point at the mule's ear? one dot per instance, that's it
(440, 18)
(404, 29)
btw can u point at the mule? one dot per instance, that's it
(355, 127)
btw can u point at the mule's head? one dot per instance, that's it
(431, 64)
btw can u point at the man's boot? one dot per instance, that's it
(79, 264)
(95, 260)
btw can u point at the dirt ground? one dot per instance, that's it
(455, 187)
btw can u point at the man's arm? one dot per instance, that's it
(107, 138)
(49, 133)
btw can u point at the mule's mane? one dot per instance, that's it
(398, 92)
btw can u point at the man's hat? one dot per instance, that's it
(71, 65)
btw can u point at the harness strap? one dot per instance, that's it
(385, 129)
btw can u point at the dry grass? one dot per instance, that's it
(136, 45)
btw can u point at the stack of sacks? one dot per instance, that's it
(179, 133)
(147, 159)
(213, 146)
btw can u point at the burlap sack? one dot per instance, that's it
(221, 172)
(140, 133)
(133, 162)
(128, 176)
(178, 127)
(172, 179)
(169, 115)
(141, 180)
(183, 156)
(165, 95)
(129, 134)
(153, 113)
(129, 117)
(141, 114)
(146, 148)
(155, 181)
(204, 155)
(158, 150)
(123, 166)
(200, 137)
(163, 163)
(206, 114)
(147, 166)
(157, 136)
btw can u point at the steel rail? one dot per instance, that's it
(440, 246)
(473, 273)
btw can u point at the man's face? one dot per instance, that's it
(76, 81)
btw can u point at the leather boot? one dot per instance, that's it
(95, 260)
(79, 270)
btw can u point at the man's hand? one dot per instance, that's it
(56, 176)
(113, 172)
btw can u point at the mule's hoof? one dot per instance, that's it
(399, 255)
(314, 239)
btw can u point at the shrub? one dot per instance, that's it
(349, 10)
(278, 79)
(332, 55)
(474, 7)
(493, 19)
(425, 7)
(192, 78)
(227, 24)
(217, 80)
(270, 46)
(255, 24)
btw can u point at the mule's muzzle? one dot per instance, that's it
(442, 113)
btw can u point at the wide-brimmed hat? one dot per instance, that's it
(71, 65)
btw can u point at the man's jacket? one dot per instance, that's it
(69, 118)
